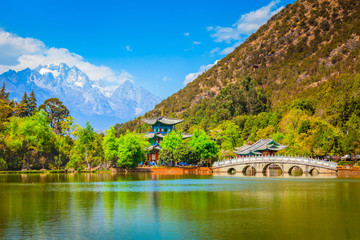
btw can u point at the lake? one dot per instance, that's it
(143, 206)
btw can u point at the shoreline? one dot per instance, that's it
(342, 172)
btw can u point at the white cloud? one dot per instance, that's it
(215, 50)
(192, 76)
(246, 25)
(12, 47)
(196, 42)
(229, 49)
(18, 53)
(128, 48)
(187, 34)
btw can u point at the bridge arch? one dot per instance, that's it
(295, 166)
(231, 170)
(314, 171)
(246, 167)
(268, 165)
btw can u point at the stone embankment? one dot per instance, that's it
(348, 171)
(173, 170)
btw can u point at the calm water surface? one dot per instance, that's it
(142, 206)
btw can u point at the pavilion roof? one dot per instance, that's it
(160, 135)
(186, 135)
(261, 145)
(164, 120)
(152, 135)
(154, 147)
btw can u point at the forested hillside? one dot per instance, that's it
(296, 80)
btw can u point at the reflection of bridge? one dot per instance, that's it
(286, 163)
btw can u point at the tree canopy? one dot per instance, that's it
(57, 112)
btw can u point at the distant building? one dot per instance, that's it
(160, 127)
(261, 147)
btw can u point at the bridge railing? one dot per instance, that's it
(276, 158)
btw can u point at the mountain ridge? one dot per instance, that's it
(84, 97)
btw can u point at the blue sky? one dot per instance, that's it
(159, 45)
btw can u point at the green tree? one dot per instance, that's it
(86, 138)
(110, 145)
(58, 161)
(64, 145)
(3, 164)
(351, 142)
(97, 153)
(230, 135)
(203, 145)
(166, 156)
(185, 153)
(81, 152)
(131, 150)
(4, 95)
(30, 139)
(21, 108)
(25, 102)
(56, 111)
(171, 140)
(32, 106)
(5, 113)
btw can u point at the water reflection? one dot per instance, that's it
(296, 171)
(249, 171)
(138, 206)
(272, 170)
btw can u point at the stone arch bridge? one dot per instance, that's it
(286, 163)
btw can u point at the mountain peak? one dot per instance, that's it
(79, 93)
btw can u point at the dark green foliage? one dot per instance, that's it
(167, 156)
(346, 163)
(32, 106)
(57, 112)
(131, 150)
(350, 106)
(22, 108)
(185, 153)
(304, 126)
(351, 142)
(4, 95)
(305, 105)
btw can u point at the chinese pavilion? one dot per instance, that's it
(160, 127)
(261, 147)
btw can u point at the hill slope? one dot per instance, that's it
(306, 57)
(307, 44)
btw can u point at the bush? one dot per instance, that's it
(345, 163)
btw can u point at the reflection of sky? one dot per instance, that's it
(186, 207)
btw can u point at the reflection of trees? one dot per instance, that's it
(128, 205)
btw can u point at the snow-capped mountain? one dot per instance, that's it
(99, 101)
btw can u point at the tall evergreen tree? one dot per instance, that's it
(21, 109)
(6, 107)
(3, 94)
(32, 106)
